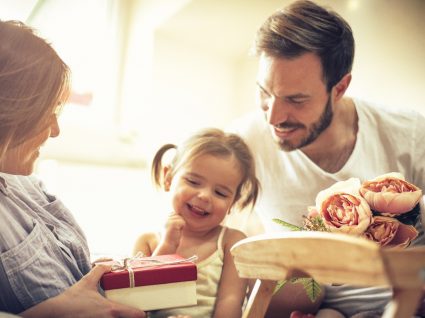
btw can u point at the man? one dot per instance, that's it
(308, 135)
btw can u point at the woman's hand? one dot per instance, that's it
(83, 300)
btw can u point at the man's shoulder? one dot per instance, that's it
(381, 110)
(388, 116)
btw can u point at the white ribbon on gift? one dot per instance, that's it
(127, 265)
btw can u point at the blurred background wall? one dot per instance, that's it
(148, 72)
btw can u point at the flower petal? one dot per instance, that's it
(390, 232)
(345, 213)
(390, 194)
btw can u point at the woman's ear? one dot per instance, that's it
(166, 173)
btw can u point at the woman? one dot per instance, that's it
(43, 252)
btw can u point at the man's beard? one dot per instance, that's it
(313, 132)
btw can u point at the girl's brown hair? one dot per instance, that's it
(33, 81)
(215, 142)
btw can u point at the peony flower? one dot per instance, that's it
(390, 232)
(390, 194)
(343, 209)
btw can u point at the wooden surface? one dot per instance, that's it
(260, 299)
(330, 258)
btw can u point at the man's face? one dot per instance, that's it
(294, 99)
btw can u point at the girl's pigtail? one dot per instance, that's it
(157, 165)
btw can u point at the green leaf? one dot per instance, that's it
(279, 285)
(311, 287)
(292, 227)
(315, 224)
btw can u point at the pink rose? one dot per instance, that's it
(343, 209)
(390, 232)
(390, 194)
(346, 213)
(312, 212)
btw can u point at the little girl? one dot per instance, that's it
(210, 174)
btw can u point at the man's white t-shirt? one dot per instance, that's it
(387, 141)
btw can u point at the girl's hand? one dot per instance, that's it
(173, 232)
(174, 228)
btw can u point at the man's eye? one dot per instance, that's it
(295, 101)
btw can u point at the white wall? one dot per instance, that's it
(192, 88)
(389, 65)
(173, 85)
(112, 204)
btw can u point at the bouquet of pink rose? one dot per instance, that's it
(384, 210)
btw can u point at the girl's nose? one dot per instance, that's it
(204, 194)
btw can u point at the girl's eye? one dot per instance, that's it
(221, 194)
(192, 181)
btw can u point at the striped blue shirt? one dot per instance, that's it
(42, 249)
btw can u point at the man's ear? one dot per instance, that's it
(167, 177)
(341, 87)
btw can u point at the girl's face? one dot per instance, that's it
(204, 190)
(21, 158)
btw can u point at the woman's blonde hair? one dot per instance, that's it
(33, 81)
(215, 142)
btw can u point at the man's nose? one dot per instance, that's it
(276, 111)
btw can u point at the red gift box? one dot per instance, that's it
(151, 283)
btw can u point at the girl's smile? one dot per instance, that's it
(204, 190)
(197, 211)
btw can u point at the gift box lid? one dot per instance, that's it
(155, 270)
